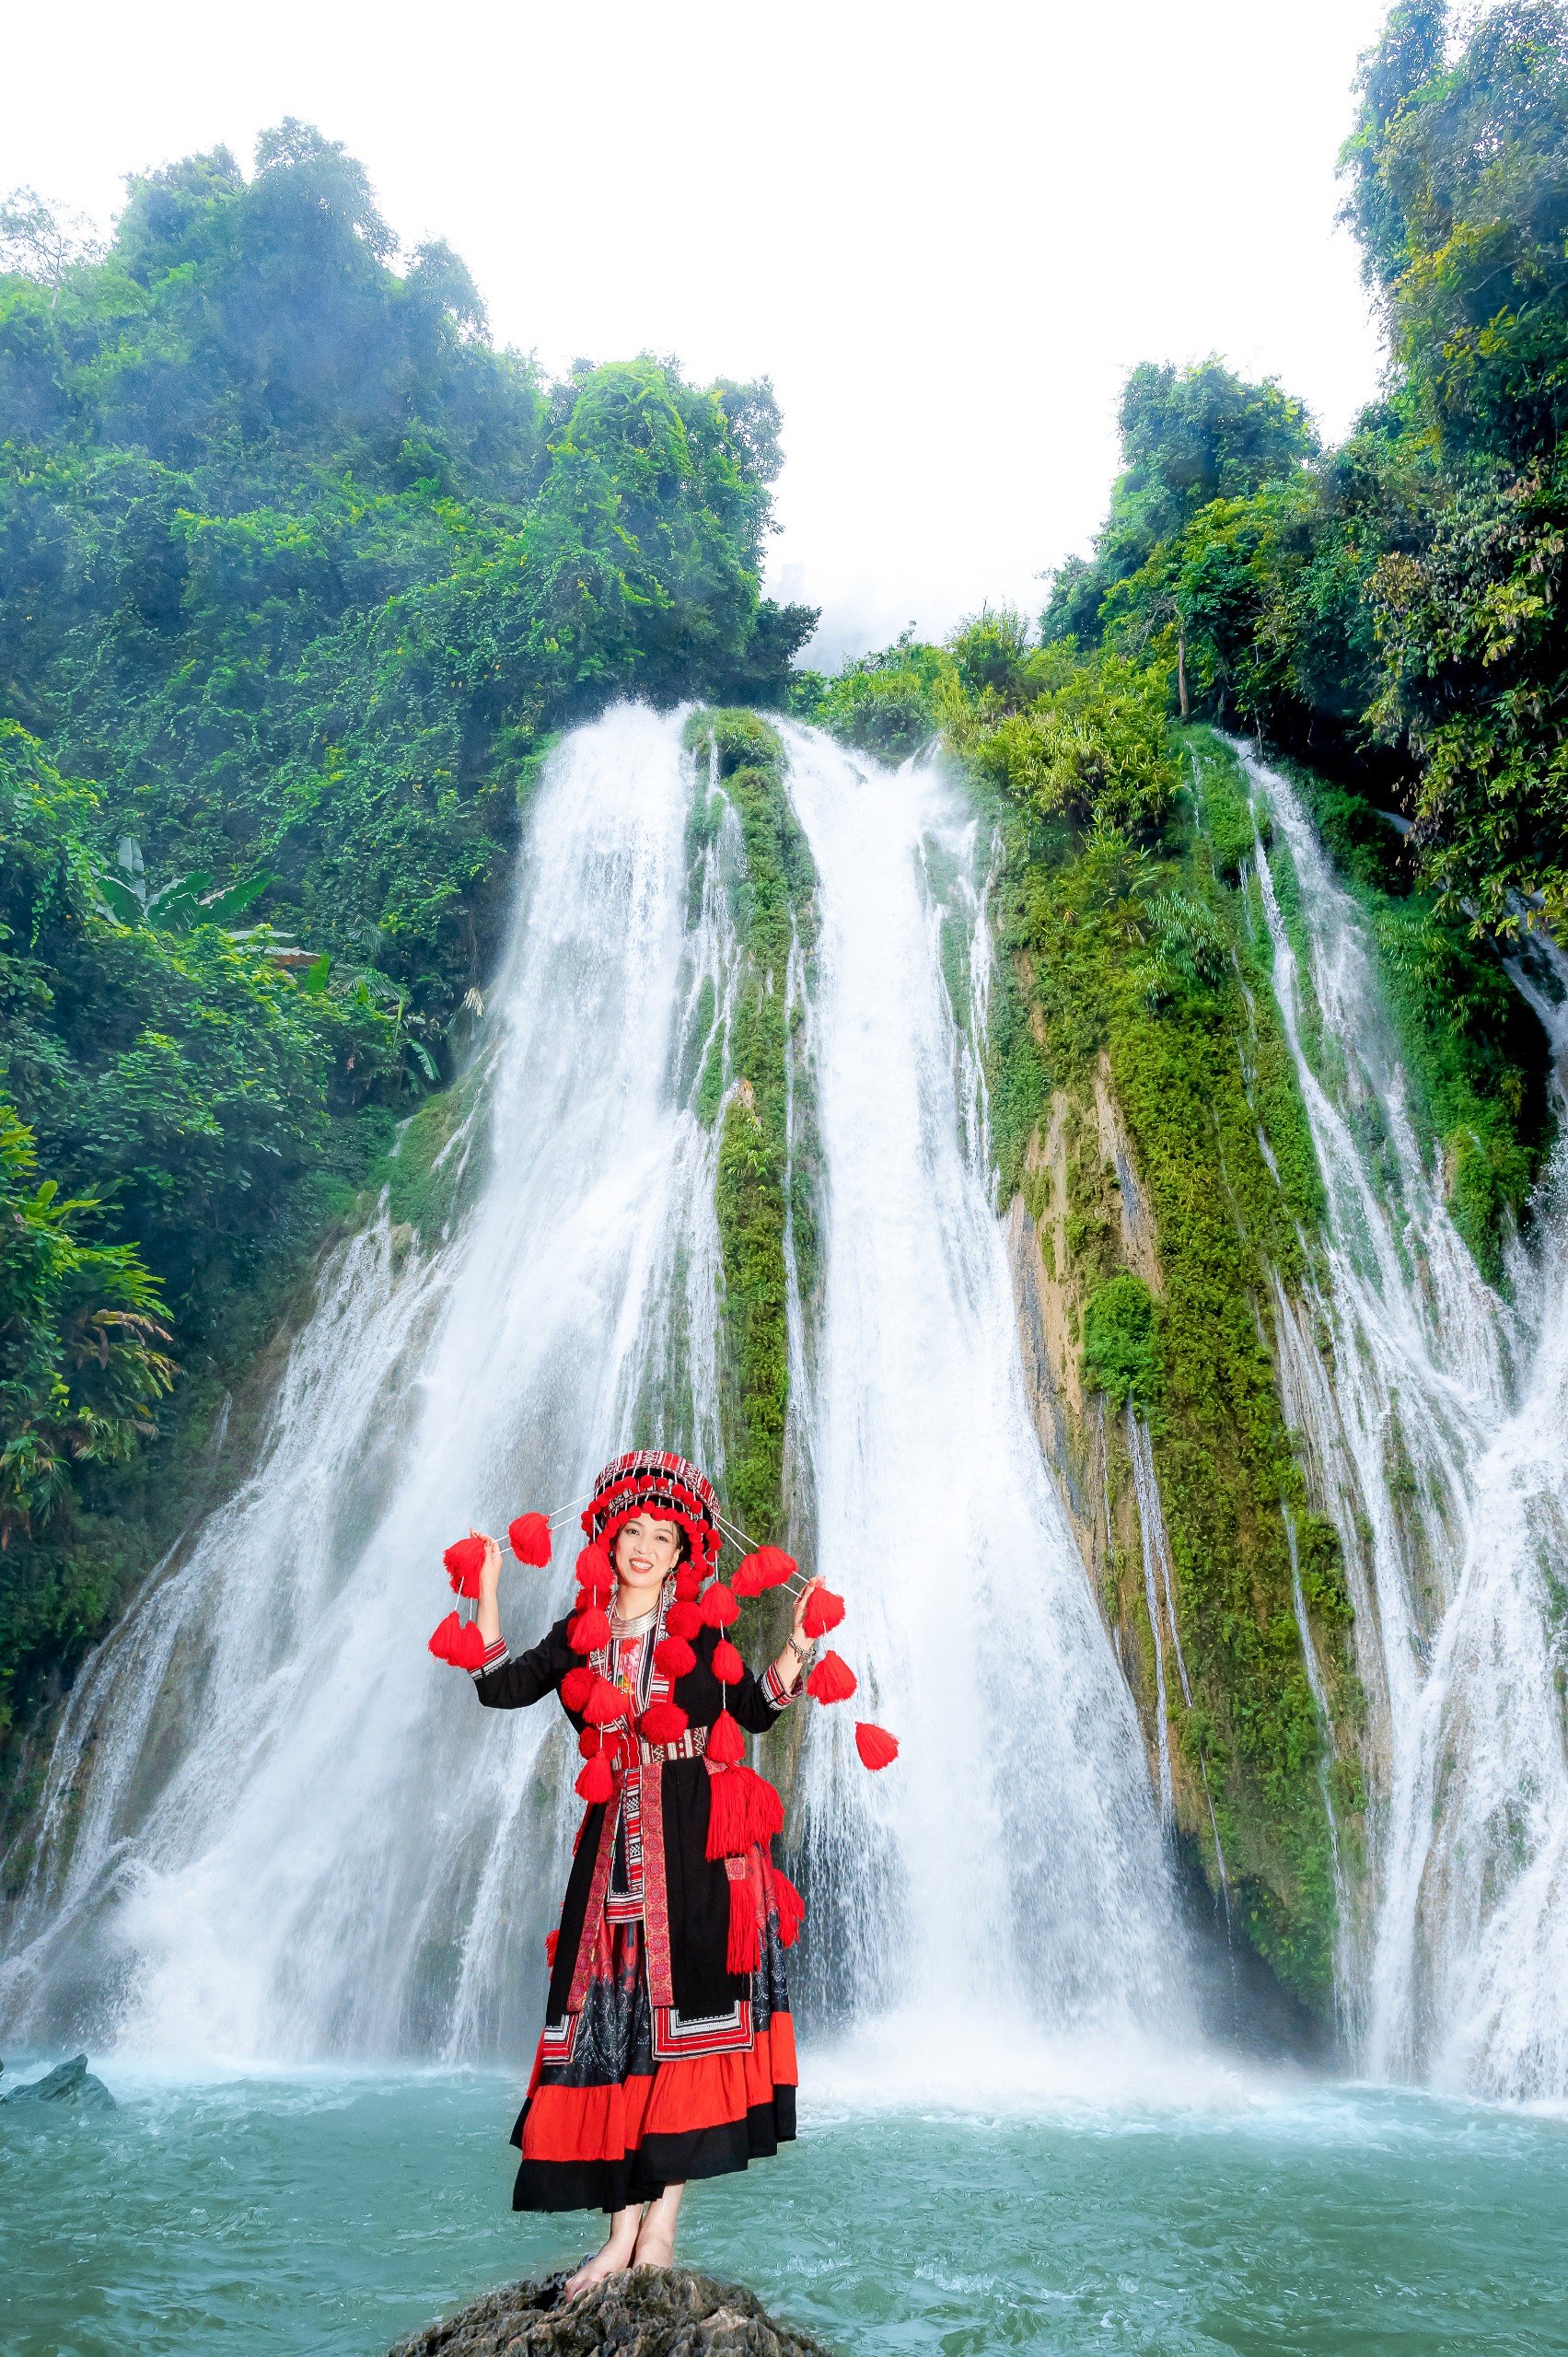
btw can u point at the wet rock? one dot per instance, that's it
(72, 2084)
(655, 2312)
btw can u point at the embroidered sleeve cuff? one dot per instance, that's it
(779, 1696)
(494, 1656)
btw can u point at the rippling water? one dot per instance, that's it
(330, 2215)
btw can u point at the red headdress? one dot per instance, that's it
(655, 1481)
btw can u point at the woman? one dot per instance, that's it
(668, 2051)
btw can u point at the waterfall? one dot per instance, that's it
(298, 1836)
(1436, 1432)
(1011, 1867)
(273, 1828)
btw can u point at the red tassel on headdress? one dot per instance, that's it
(605, 1705)
(688, 1583)
(790, 1907)
(718, 1607)
(588, 1630)
(596, 1782)
(832, 1681)
(673, 1657)
(728, 1666)
(468, 1647)
(874, 1745)
(552, 1939)
(596, 1574)
(663, 1723)
(743, 1952)
(824, 1611)
(726, 1745)
(529, 1539)
(682, 1620)
(768, 1567)
(576, 1687)
(464, 1560)
(443, 1637)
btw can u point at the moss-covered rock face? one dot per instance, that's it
(770, 886)
(1150, 1133)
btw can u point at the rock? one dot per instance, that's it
(72, 2084)
(655, 2312)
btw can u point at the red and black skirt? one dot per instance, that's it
(628, 2097)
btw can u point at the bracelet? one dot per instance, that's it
(802, 1657)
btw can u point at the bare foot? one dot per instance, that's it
(655, 2249)
(613, 2259)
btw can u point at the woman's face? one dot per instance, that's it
(647, 1549)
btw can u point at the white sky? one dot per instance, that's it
(946, 234)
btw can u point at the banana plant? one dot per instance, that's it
(128, 896)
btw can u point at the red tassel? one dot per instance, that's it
(595, 1573)
(765, 1811)
(683, 1620)
(874, 1745)
(663, 1723)
(605, 1705)
(743, 1953)
(590, 1741)
(729, 1815)
(832, 1681)
(464, 1560)
(443, 1638)
(529, 1537)
(468, 1647)
(588, 1630)
(769, 1567)
(718, 1607)
(552, 1939)
(728, 1666)
(596, 1782)
(790, 1907)
(673, 1657)
(689, 1586)
(576, 1687)
(726, 1745)
(824, 1611)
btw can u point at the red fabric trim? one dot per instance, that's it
(582, 1970)
(708, 2090)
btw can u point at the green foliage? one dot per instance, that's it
(1121, 1356)
(886, 702)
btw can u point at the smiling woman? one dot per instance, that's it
(668, 2051)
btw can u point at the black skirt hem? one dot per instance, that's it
(658, 2162)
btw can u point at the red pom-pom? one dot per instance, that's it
(674, 1658)
(683, 1620)
(464, 1560)
(718, 1607)
(595, 1573)
(530, 1539)
(663, 1723)
(726, 1745)
(832, 1681)
(768, 1567)
(824, 1611)
(874, 1745)
(588, 1630)
(590, 1741)
(766, 1811)
(688, 1583)
(743, 1950)
(605, 1705)
(576, 1687)
(443, 1638)
(729, 1814)
(596, 1782)
(468, 1647)
(728, 1666)
(552, 1939)
(790, 1907)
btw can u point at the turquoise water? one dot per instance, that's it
(330, 2215)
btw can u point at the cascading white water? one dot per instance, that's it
(1010, 1869)
(300, 1835)
(1439, 1441)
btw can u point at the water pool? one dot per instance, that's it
(332, 2213)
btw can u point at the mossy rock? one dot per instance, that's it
(655, 2311)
